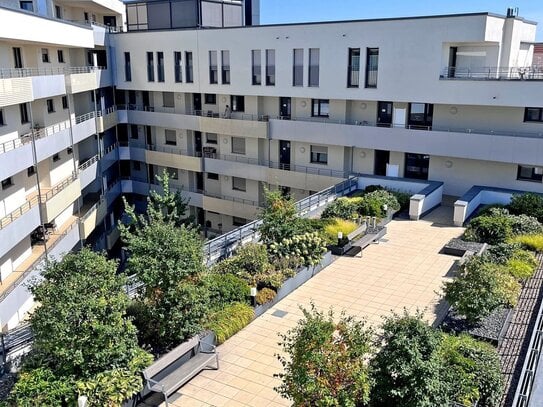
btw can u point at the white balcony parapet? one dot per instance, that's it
(7, 73)
(17, 213)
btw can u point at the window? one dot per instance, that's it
(213, 70)
(174, 174)
(210, 99)
(314, 67)
(58, 12)
(65, 102)
(150, 67)
(24, 113)
(136, 165)
(56, 157)
(134, 131)
(298, 68)
(213, 176)
(353, 71)
(416, 166)
(31, 171)
(69, 151)
(320, 108)
(239, 184)
(160, 66)
(420, 116)
(50, 106)
(238, 145)
(2, 121)
(127, 67)
(225, 67)
(270, 67)
(211, 138)
(533, 114)
(530, 173)
(256, 67)
(60, 56)
(319, 155)
(45, 55)
(6, 183)
(177, 66)
(17, 57)
(168, 99)
(26, 5)
(188, 67)
(171, 138)
(238, 221)
(372, 65)
(237, 103)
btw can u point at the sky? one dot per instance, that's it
(292, 11)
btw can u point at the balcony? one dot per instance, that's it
(493, 73)
(106, 119)
(18, 224)
(88, 171)
(86, 78)
(487, 145)
(238, 124)
(16, 155)
(83, 127)
(112, 236)
(57, 198)
(93, 215)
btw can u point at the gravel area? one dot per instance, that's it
(6, 383)
(457, 247)
(488, 329)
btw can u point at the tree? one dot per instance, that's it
(81, 333)
(279, 218)
(168, 259)
(406, 370)
(170, 206)
(325, 361)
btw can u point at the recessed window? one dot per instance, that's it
(26, 5)
(58, 12)
(150, 67)
(420, 116)
(177, 66)
(65, 102)
(160, 66)
(256, 67)
(23, 110)
(17, 57)
(213, 69)
(314, 55)
(298, 67)
(173, 172)
(45, 55)
(319, 155)
(210, 99)
(56, 157)
(188, 67)
(168, 99)
(69, 150)
(238, 145)
(270, 67)
(353, 71)
(2, 121)
(127, 67)
(533, 114)
(211, 138)
(213, 176)
(50, 106)
(171, 138)
(320, 108)
(225, 67)
(31, 171)
(526, 173)
(237, 103)
(6, 183)
(238, 221)
(60, 56)
(136, 165)
(134, 131)
(372, 66)
(239, 184)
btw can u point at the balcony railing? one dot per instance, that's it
(89, 23)
(17, 213)
(58, 187)
(6, 73)
(493, 73)
(89, 211)
(200, 113)
(89, 162)
(167, 149)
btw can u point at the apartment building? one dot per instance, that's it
(97, 106)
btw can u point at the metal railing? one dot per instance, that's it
(166, 149)
(15, 143)
(89, 162)
(493, 73)
(17, 213)
(111, 148)
(89, 211)
(105, 112)
(7, 73)
(84, 117)
(90, 23)
(200, 113)
(58, 187)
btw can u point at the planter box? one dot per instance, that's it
(293, 283)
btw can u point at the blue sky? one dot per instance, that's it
(289, 11)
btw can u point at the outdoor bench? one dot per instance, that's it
(162, 377)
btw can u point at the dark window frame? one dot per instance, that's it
(298, 68)
(239, 188)
(65, 104)
(127, 67)
(2, 119)
(210, 141)
(539, 111)
(318, 157)
(23, 110)
(168, 132)
(56, 157)
(372, 68)
(533, 177)
(237, 103)
(353, 68)
(60, 56)
(178, 66)
(23, 5)
(189, 67)
(225, 67)
(30, 171)
(45, 56)
(270, 67)
(256, 67)
(319, 103)
(7, 182)
(240, 151)
(150, 67)
(50, 105)
(210, 99)
(427, 117)
(213, 67)
(160, 66)
(314, 68)
(237, 221)
(213, 176)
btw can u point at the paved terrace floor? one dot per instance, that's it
(405, 270)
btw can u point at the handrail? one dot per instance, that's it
(9, 218)
(89, 162)
(519, 73)
(166, 149)
(6, 73)
(111, 148)
(200, 113)
(13, 144)
(59, 187)
(107, 111)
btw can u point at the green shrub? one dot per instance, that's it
(230, 320)
(520, 269)
(527, 204)
(501, 252)
(525, 225)
(488, 210)
(472, 370)
(372, 203)
(248, 262)
(530, 242)
(265, 295)
(480, 288)
(343, 208)
(403, 198)
(339, 225)
(226, 288)
(489, 229)
(40, 387)
(309, 248)
(373, 188)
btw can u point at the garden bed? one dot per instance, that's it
(491, 329)
(293, 283)
(458, 247)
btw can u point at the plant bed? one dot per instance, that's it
(491, 329)
(293, 283)
(458, 247)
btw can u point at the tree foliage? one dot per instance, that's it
(324, 362)
(279, 218)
